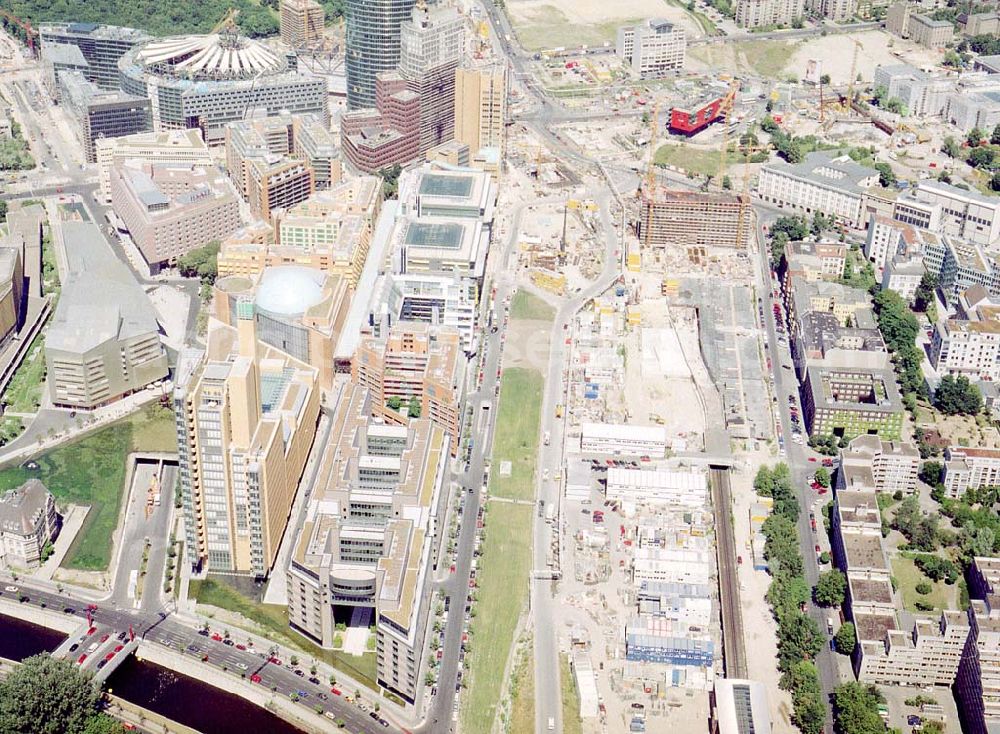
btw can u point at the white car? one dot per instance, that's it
(12, 589)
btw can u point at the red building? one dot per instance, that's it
(688, 121)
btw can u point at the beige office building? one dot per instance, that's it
(12, 293)
(171, 209)
(246, 420)
(331, 231)
(299, 311)
(369, 538)
(481, 107)
(104, 340)
(28, 522)
(871, 464)
(302, 22)
(169, 146)
(414, 361)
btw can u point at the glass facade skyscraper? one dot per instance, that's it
(372, 45)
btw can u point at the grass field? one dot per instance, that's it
(526, 305)
(24, 392)
(91, 471)
(704, 22)
(907, 577)
(516, 437)
(273, 619)
(522, 691)
(503, 591)
(572, 723)
(698, 161)
(767, 58)
(547, 27)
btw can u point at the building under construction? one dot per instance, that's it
(693, 219)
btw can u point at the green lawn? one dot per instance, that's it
(50, 269)
(273, 620)
(699, 161)
(907, 577)
(503, 591)
(24, 392)
(547, 27)
(522, 692)
(572, 723)
(526, 305)
(516, 439)
(91, 471)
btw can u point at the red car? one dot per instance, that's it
(274, 661)
(823, 490)
(827, 462)
(109, 656)
(255, 678)
(79, 660)
(335, 691)
(92, 607)
(91, 631)
(119, 648)
(217, 637)
(817, 549)
(241, 647)
(812, 459)
(104, 638)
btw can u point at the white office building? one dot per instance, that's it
(623, 440)
(652, 48)
(823, 182)
(679, 488)
(964, 213)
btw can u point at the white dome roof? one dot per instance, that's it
(290, 290)
(212, 56)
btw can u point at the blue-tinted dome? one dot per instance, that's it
(290, 290)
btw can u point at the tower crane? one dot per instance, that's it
(649, 187)
(725, 110)
(227, 23)
(849, 104)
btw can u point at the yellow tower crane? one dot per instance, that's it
(648, 189)
(725, 109)
(228, 22)
(849, 103)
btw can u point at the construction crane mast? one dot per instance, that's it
(725, 110)
(648, 189)
(849, 104)
(228, 23)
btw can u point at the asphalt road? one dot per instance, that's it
(161, 628)
(797, 457)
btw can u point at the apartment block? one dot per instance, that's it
(277, 184)
(903, 275)
(823, 182)
(170, 210)
(312, 141)
(839, 11)
(100, 113)
(979, 24)
(969, 468)
(757, 13)
(653, 48)
(370, 537)
(481, 107)
(924, 94)
(923, 215)
(28, 522)
(977, 685)
(820, 339)
(246, 420)
(301, 22)
(968, 347)
(814, 261)
(975, 102)
(671, 218)
(331, 231)
(414, 361)
(175, 146)
(852, 401)
(823, 296)
(103, 342)
(929, 32)
(965, 214)
(299, 311)
(871, 464)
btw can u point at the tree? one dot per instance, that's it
(974, 137)
(395, 402)
(995, 137)
(995, 182)
(103, 724)
(47, 696)
(822, 477)
(201, 263)
(930, 472)
(950, 147)
(886, 177)
(390, 180)
(845, 639)
(824, 79)
(3, 211)
(795, 228)
(982, 158)
(957, 396)
(923, 587)
(855, 709)
(976, 541)
(830, 588)
(727, 183)
(952, 59)
(924, 295)
(413, 410)
(937, 568)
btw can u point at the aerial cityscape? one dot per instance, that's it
(500, 366)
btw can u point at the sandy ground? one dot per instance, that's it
(838, 51)
(562, 16)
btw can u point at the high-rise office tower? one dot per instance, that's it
(480, 107)
(246, 419)
(372, 40)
